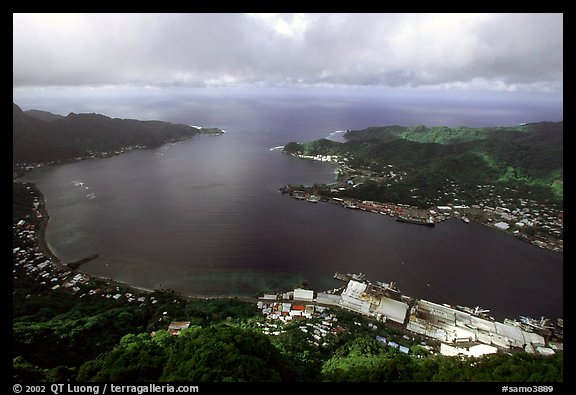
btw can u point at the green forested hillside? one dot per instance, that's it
(548, 133)
(527, 160)
(90, 344)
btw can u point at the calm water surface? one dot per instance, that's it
(205, 217)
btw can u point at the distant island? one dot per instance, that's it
(42, 137)
(509, 177)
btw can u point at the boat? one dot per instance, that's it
(476, 311)
(466, 220)
(416, 220)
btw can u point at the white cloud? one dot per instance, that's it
(292, 25)
(494, 51)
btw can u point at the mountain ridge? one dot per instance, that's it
(44, 137)
(43, 115)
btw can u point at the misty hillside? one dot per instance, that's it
(39, 136)
(540, 133)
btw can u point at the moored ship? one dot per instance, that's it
(416, 220)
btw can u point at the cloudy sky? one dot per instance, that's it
(481, 52)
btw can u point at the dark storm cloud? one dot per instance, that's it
(479, 51)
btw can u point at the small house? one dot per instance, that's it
(176, 326)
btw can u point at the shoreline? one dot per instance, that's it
(45, 248)
(552, 244)
(360, 205)
(42, 242)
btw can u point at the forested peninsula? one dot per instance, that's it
(43, 137)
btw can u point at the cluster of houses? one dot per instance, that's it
(515, 215)
(298, 305)
(286, 311)
(302, 304)
(34, 264)
(287, 306)
(37, 266)
(344, 169)
(90, 154)
(325, 158)
(30, 261)
(518, 218)
(320, 325)
(393, 344)
(319, 331)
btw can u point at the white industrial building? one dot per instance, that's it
(392, 309)
(325, 298)
(502, 225)
(367, 299)
(453, 326)
(303, 294)
(474, 351)
(354, 304)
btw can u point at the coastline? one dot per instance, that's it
(45, 248)
(362, 205)
(42, 242)
(19, 170)
(319, 192)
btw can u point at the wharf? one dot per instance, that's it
(456, 327)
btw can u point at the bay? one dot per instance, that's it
(204, 217)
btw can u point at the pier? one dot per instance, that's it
(454, 327)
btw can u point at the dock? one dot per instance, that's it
(452, 326)
(76, 264)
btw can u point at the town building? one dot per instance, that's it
(176, 326)
(303, 294)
